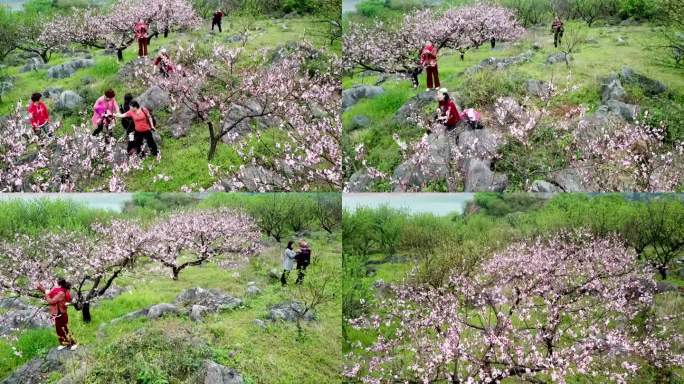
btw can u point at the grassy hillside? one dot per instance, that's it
(592, 61)
(268, 352)
(420, 250)
(184, 160)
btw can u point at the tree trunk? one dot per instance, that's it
(176, 272)
(85, 312)
(166, 32)
(213, 144)
(119, 54)
(662, 271)
(493, 41)
(44, 56)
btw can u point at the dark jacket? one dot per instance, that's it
(126, 122)
(303, 257)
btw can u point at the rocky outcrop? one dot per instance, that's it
(651, 87)
(153, 98)
(415, 106)
(361, 181)
(70, 101)
(39, 369)
(289, 311)
(180, 122)
(538, 88)
(252, 178)
(352, 95)
(558, 57)
(63, 71)
(501, 62)
(213, 373)
(33, 64)
(416, 172)
(479, 177)
(20, 315)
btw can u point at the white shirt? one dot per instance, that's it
(288, 259)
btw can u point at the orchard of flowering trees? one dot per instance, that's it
(113, 28)
(301, 105)
(388, 49)
(92, 261)
(541, 310)
(54, 163)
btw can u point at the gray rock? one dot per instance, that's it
(260, 323)
(612, 89)
(52, 93)
(213, 373)
(274, 274)
(360, 122)
(112, 293)
(28, 318)
(180, 122)
(352, 95)
(620, 41)
(538, 88)
(33, 64)
(10, 303)
(479, 178)
(6, 86)
(69, 100)
(415, 106)
(558, 57)
(238, 124)
(536, 45)
(480, 143)
(197, 312)
(39, 369)
(159, 310)
(360, 181)
(629, 112)
(569, 180)
(214, 300)
(252, 178)
(252, 289)
(650, 86)
(234, 39)
(153, 98)
(501, 63)
(541, 186)
(412, 175)
(63, 71)
(289, 311)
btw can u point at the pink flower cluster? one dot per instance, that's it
(562, 305)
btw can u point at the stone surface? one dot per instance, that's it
(360, 122)
(65, 70)
(37, 370)
(413, 174)
(213, 373)
(569, 180)
(153, 98)
(481, 143)
(28, 317)
(628, 112)
(180, 121)
(558, 57)
(197, 312)
(159, 310)
(52, 93)
(501, 62)
(415, 105)
(210, 298)
(665, 286)
(480, 178)
(651, 87)
(538, 88)
(33, 64)
(70, 100)
(289, 311)
(611, 89)
(542, 186)
(252, 178)
(352, 95)
(360, 181)
(252, 289)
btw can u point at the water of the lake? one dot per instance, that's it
(107, 201)
(440, 204)
(12, 4)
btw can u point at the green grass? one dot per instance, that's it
(592, 62)
(184, 159)
(271, 355)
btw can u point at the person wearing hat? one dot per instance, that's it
(447, 112)
(428, 60)
(303, 259)
(164, 63)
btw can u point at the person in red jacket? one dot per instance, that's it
(58, 298)
(144, 125)
(141, 30)
(38, 114)
(447, 112)
(216, 20)
(164, 63)
(428, 59)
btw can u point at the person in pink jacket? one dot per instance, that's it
(103, 113)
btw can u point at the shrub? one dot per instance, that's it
(484, 87)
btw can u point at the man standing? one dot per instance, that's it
(216, 21)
